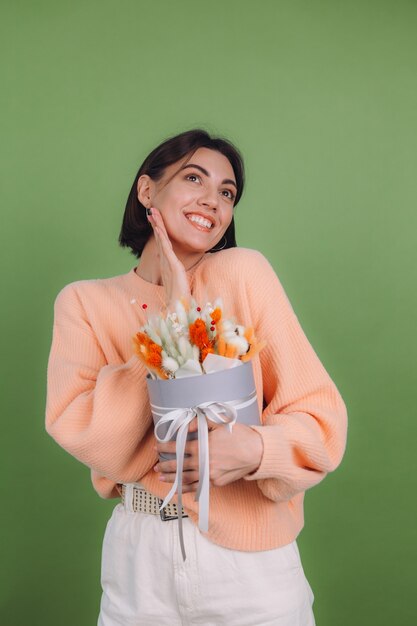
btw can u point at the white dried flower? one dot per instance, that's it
(178, 328)
(150, 331)
(170, 364)
(185, 348)
(181, 313)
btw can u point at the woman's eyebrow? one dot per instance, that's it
(204, 171)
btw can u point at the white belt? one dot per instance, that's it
(136, 498)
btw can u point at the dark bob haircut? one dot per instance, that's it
(136, 229)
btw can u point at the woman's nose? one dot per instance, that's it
(210, 199)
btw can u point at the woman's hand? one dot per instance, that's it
(167, 469)
(174, 277)
(232, 456)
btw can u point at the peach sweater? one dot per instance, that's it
(98, 410)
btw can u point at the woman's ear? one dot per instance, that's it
(145, 190)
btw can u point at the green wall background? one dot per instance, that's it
(321, 98)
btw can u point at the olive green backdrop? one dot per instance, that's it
(321, 98)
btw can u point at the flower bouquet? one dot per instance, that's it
(199, 367)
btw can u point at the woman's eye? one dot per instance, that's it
(229, 193)
(192, 176)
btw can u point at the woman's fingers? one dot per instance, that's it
(193, 426)
(189, 488)
(167, 467)
(173, 273)
(156, 231)
(187, 477)
(158, 224)
(167, 446)
(155, 218)
(191, 447)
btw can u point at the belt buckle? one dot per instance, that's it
(164, 517)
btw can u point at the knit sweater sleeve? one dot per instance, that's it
(304, 419)
(97, 411)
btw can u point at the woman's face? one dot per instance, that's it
(196, 204)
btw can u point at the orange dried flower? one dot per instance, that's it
(221, 346)
(149, 353)
(216, 315)
(231, 351)
(154, 359)
(141, 339)
(200, 338)
(198, 334)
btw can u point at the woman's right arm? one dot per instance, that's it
(98, 412)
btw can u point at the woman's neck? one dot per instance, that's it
(149, 268)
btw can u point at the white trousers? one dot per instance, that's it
(145, 580)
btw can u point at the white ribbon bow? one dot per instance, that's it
(179, 421)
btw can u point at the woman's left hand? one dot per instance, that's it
(232, 456)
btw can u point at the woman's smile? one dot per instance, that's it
(200, 222)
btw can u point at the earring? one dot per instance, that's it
(218, 249)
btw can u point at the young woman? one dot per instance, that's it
(246, 570)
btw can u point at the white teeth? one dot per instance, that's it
(200, 220)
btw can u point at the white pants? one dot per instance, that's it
(145, 580)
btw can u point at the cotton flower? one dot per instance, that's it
(240, 343)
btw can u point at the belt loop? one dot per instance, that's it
(129, 498)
